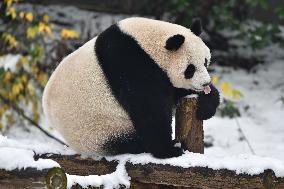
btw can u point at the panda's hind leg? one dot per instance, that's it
(128, 143)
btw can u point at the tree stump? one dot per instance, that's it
(189, 130)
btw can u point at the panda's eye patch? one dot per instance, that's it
(206, 62)
(189, 72)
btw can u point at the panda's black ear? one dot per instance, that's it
(174, 42)
(196, 27)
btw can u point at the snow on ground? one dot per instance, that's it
(34, 140)
(17, 158)
(262, 123)
(18, 148)
(109, 181)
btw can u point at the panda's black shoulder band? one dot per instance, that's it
(141, 87)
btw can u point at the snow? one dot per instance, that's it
(262, 123)
(109, 181)
(9, 62)
(242, 163)
(16, 158)
(34, 140)
(18, 149)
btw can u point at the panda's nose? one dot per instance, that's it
(206, 84)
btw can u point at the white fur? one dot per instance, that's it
(79, 104)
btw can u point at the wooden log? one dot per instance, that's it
(24, 178)
(171, 176)
(83, 166)
(156, 175)
(189, 130)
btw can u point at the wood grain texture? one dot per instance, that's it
(189, 130)
(24, 178)
(76, 165)
(154, 175)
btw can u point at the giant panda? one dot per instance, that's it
(117, 93)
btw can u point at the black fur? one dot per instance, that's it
(141, 87)
(196, 27)
(207, 104)
(143, 90)
(180, 93)
(174, 42)
(129, 143)
(189, 72)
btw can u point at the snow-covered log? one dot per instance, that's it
(142, 176)
(158, 176)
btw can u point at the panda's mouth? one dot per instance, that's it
(196, 89)
(205, 89)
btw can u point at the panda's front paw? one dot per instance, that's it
(207, 104)
(171, 152)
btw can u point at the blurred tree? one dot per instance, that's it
(232, 15)
(24, 40)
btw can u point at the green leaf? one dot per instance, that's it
(2, 70)
(280, 12)
(230, 110)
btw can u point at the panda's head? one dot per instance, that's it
(176, 49)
